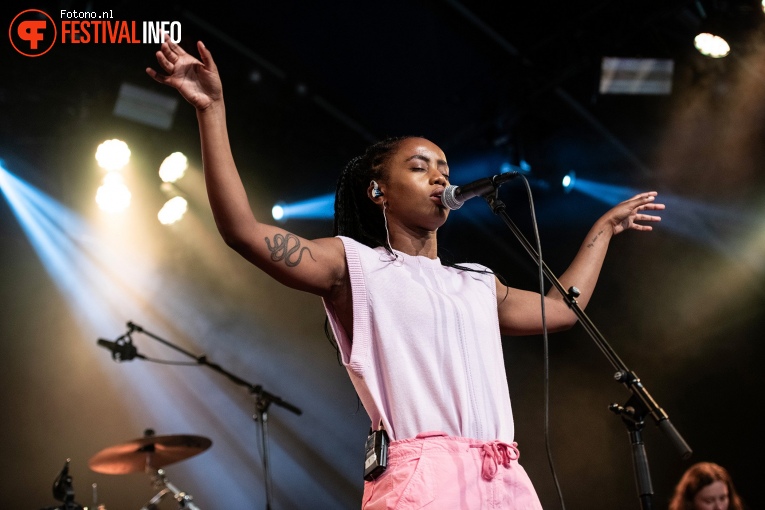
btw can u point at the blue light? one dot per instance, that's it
(108, 278)
(103, 288)
(277, 212)
(712, 225)
(610, 194)
(318, 208)
(568, 181)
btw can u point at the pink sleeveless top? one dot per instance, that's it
(425, 352)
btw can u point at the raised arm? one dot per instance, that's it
(519, 310)
(314, 266)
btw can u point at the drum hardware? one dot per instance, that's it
(125, 351)
(63, 490)
(160, 481)
(147, 454)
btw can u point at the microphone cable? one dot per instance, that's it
(545, 343)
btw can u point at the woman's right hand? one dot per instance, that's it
(198, 82)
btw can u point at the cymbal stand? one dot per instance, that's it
(160, 481)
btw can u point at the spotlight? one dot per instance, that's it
(316, 208)
(112, 155)
(113, 196)
(568, 181)
(763, 5)
(173, 167)
(173, 210)
(277, 212)
(711, 45)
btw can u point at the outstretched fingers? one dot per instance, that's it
(165, 65)
(642, 217)
(206, 56)
(642, 198)
(648, 204)
(165, 62)
(168, 55)
(630, 213)
(646, 218)
(645, 202)
(170, 48)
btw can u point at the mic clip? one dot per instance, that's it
(126, 351)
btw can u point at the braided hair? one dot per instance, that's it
(356, 216)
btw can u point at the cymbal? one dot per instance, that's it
(147, 454)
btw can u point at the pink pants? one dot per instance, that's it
(440, 472)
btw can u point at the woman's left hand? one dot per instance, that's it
(625, 215)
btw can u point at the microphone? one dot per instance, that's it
(121, 350)
(454, 196)
(62, 485)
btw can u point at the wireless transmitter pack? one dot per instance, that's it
(376, 454)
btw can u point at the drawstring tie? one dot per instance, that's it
(496, 453)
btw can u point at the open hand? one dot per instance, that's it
(198, 82)
(625, 215)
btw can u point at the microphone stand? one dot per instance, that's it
(640, 404)
(263, 399)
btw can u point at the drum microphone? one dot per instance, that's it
(121, 350)
(454, 196)
(62, 485)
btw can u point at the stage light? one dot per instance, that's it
(173, 210)
(277, 212)
(568, 181)
(112, 155)
(173, 167)
(610, 194)
(763, 5)
(113, 196)
(103, 286)
(711, 45)
(88, 274)
(317, 208)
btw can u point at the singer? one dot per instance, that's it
(420, 340)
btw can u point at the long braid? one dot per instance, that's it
(356, 216)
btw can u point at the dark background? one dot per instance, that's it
(308, 85)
